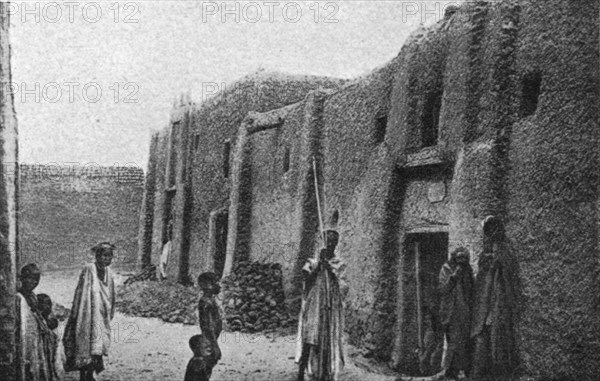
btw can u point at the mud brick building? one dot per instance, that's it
(491, 111)
(65, 210)
(8, 204)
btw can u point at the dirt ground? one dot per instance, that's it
(150, 349)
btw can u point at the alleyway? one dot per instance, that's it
(149, 349)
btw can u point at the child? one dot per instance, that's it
(209, 316)
(200, 366)
(45, 306)
(51, 349)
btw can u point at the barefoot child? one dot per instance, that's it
(209, 316)
(200, 366)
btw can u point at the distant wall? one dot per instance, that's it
(65, 211)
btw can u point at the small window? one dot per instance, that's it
(431, 119)
(532, 84)
(335, 216)
(226, 153)
(286, 160)
(196, 142)
(380, 129)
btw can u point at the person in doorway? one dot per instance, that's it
(493, 312)
(321, 326)
(87, 333)
(456, 290)
(209, 316)
(35, 346)
(166, 252)
(430, 356)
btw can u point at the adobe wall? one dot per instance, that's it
(147, 209)
(359, 174)
(274, 198)
(155, 186)
(537, 172)
(9, 261)
(553, 190)
(65, 211)
(219, 120)
(205, 128)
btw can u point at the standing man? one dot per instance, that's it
(456, 290)
(87, 333)
(322, 316)
(494, 307)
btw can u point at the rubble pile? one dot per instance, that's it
(148, 273)
(172, 303)
(253, 298)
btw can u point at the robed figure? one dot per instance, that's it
(88, 331)
(35, 341)
(456, 291)
(320, 350)
(494, 306)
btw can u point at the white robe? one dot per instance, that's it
(33, 362)
(88, 330)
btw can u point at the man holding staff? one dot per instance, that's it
(321, 319)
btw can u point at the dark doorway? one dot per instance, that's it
(425, 254)
(221, 222)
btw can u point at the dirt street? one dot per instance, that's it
(150, 349)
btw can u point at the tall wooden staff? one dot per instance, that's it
(323, 237)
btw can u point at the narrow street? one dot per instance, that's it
(145, 349)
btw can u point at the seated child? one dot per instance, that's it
(200, 366)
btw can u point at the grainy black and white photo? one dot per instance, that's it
(290, 190)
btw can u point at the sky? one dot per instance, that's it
(93, 80)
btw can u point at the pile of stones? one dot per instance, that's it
(253, 298)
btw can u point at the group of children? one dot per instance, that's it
(36, 337)
(205, 345)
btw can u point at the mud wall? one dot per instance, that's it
(65, 211)
(9, 261)
(212, 125)
(553, 189)
(217, 121)
(275, 193)
(514, 87)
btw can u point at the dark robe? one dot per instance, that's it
(493, 319)
(455, 314)
(211, 323)
(198, 369)
(322, 319)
